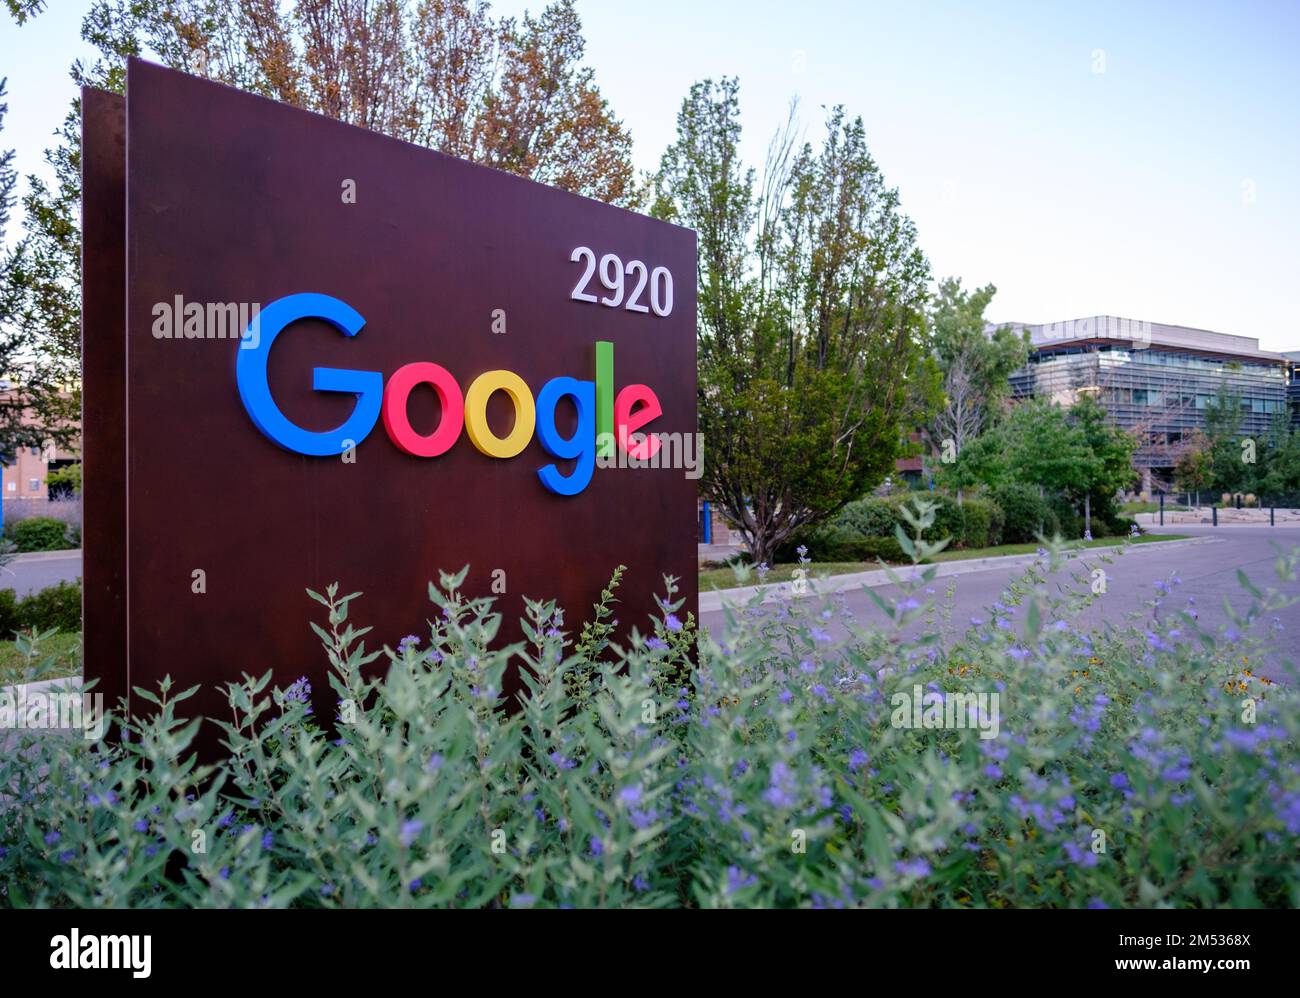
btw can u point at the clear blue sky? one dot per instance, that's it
(1135, 159)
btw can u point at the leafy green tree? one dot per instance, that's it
(1278, 468)
(39, 398)
(811, 294)
(443, 73)
(1228, 472)
(1111, 449)
(1074, 453)
(976, 364)
(1193, 469)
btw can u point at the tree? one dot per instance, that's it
(1222, 424)
(1278, 468)
(811, 295)
(1074, 453)
(1192, 470)
(1112, 457)
(441, 73)
(38, 401)
(976, 364)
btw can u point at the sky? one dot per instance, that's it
(1137, 159)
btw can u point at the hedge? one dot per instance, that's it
(56, 606)
(41, 533)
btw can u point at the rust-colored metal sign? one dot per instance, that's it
(317, 354)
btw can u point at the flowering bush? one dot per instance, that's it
(770, 765)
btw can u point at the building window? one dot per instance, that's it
(34, 485)
(13, 486)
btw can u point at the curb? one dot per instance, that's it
(712, 601)
(41, 685)
(45, 556)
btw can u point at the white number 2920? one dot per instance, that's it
(625, 285)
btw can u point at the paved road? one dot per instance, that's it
(31, 572)
(1208, 572)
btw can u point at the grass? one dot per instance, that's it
(65, 648)
(725, 578)
(1151, 507)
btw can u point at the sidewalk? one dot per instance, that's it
(1227, 517)
(46, 555)
(713, 600)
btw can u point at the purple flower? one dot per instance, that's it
(410, 829)
(672, 623)
(738, 879)
(916, 867)
(781, 786)
(597, 848)
(300, 692)
(630, 794)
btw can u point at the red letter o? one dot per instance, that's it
(397, 423)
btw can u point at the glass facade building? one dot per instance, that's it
(1155, 380)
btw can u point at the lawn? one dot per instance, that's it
(65, 648)
(725, 578)
(1129, 508)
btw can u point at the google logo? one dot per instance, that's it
(604, 420)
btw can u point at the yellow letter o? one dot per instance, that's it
(476, 424)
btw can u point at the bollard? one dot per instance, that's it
(1214, 516)
(1162, 509)
(1271, 511)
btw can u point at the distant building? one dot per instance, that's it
(1293, 385)
(1155, 379)
(24, 474)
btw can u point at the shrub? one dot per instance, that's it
(601, 800)
(876, 517)
(948, 517)
(57, 606)
(869, 517)
(883, 548)
(65, 481)
(8, 614)
(838, 543)
(1025, 514)
(39, 533)
(978, 519)
(1122, 526)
